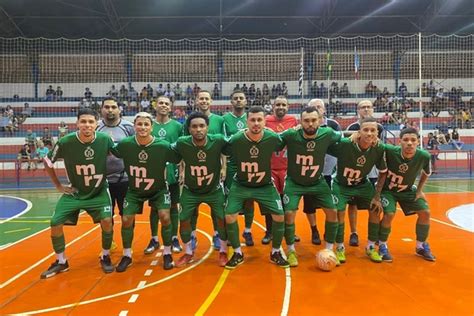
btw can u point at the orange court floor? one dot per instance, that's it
(408, 286)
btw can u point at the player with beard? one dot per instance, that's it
(306, 148)
(234, 122)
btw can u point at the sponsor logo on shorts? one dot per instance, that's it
(335, 199)
(385, 201)
(286, 199)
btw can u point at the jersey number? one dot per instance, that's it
(88, 171)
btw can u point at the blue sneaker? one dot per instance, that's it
(175, 246)
(425, 252)
(248, 239)
(216, 242)
(385, 254)
(194, 242)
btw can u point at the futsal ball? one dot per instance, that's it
(326, 260)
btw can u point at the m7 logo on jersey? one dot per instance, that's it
(88, 171)
(306, 163)
(139, 173)
(396, 182)
(352, 176)
(200, 172)
(251, 168)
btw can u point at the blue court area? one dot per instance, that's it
(12, 206)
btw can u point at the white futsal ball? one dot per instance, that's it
(326, 259)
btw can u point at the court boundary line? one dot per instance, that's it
(29, 206)
(449, 211)
(136, 289)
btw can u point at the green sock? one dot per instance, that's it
(174, 215)
(340, 233)
(422, 232)
(194, 219)
(154, 222)
(384, 233)
(374, 229)
(330, 231)
(248, 214)
(107, 238)
(59, 244)
(185, 232)
(221, 229)
(290, 234)
(278, 230)
(127, 236)
(166, 234)
(214, 222)
(233, 234)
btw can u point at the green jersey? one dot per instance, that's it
(402, 172)
(234, 124)
(85, 162)
(354, 164)
(169, 131)
(253, 159)
(216, 125)
(202, 163)
(145, 164)
(306, 156)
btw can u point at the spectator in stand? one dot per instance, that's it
(431, 89)
(258, 97)
(322, 91)
(132, 96)
(216, 93)
(6, 123)
(179, 115)
(149, 91)
(273, 92)
(369, 88)
(63, 130)
(278, 90)
(160, 90)
(379, 104)
(196, 90)
(455, 139)
(85, 103)
(26, 112)
(252, 94)
(440, 94)
(237, 87)
(88, 94)
(443, 130)
(344, 91)
(170, 95)
(50, 93)
(47, 138)
(31, 139)
(466, 118)
(424, 90)
(9, 111)
(284, 90)
(245, 90)
(41, 152)
(314, 89)
(433, 147)
(403, 91)
(123, 93)
(334, 90)
(265, 94)
(145, 105)
(189, 92)
(113, 92)
(24, 157)
(59, 93)
(178, 91)
(436, 106)
(144, 93)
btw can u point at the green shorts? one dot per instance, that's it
(172, 173)
(359, 195)
(406, 200)
(133, 203)
(319, 195)
(174, 193)
(190, 202)
(68, 207)
(266, 196)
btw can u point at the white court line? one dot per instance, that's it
(103, 298)
(148, 272)
(450, 225)
(29, 205)
(45, 258)
(133, 298)
(154, 263)
(141, 284)
(123, 313)
(407, 239)
(158, 254)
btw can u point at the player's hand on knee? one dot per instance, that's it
(376, 206)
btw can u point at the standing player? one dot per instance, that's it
(306, 148)
(234, 122)
(251, 151)
(216, 126)
(145, 158)
(278, 122)
(164, 128)
(329, 166)
(85, 156)
(365, 108)
(405, 163)
(201, 153)
(112, 124)
(355, 160)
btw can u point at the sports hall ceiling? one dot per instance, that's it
(137, 19)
